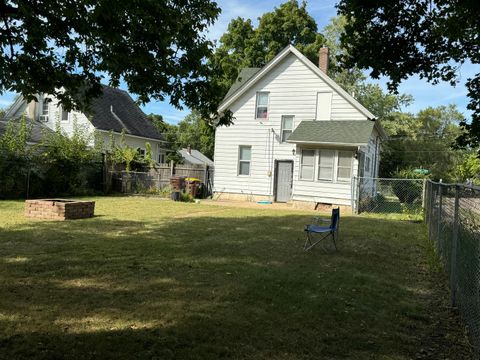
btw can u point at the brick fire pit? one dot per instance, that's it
(57, 209)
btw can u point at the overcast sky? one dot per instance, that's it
(322, 10)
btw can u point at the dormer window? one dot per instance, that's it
(44, 112)
(261, 111)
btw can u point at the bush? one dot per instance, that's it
(407, 190)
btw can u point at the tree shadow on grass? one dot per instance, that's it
(212, 288)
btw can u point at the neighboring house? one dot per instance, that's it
(297, 135)
(111, 113)
(194, 157)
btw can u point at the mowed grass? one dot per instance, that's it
(152, 279)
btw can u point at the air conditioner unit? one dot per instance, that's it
(43, 118)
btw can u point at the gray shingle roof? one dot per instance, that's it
(195, 157)
(244, 75)
(115, 110)
(354, 132)
(37, 130)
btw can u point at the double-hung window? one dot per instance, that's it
(344, 166)
(261, 111)
(45, 110)
(326, 163)
(244, 159)
(307, 165)
(64, 114)
(287, 127)
(367, 163)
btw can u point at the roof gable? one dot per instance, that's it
(239, 89)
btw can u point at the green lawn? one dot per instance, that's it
(153, 279)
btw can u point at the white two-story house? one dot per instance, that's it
(297, 136)
(113, 112)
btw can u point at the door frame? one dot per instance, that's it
(275, 177)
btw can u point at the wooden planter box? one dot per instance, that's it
(57, 209)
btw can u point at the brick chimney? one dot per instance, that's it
(189, 149)
(323, 59)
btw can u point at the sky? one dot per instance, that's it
(322, 11)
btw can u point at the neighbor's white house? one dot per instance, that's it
(111, 113)
(297, 135)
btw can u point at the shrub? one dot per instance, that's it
(410, 189)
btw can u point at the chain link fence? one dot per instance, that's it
(452, 214)
(388, 196)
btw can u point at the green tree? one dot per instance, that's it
(430, 38)
(16, 158)
(70, 161)
(424, 140)
(195, 132)
(469, 169)
(157, 47)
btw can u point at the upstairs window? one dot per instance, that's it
(244, 159)
(261, 111)
(287, 127)
(44, 110)
(64, 115)
(307, 165)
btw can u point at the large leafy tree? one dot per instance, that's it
(157, 46)
(423, 140)
(431, 38)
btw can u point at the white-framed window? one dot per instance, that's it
(161, 158)
(45, 110)
(261, 108)
(367, 163)
(63, 114)
(326, 165)
(244, 159)
(307, 165)
(287, 127)
(344, 166)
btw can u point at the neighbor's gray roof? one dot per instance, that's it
(195, 157)
(244, 75)
(346, 132)
(36, 134)
(115, 110)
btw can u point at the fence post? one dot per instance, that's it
(439, 220)
(172, 169)
(424, 193)
(453, 260)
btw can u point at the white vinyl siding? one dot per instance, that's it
(244, 158)
(287, 127)
(307, 166)
(261, 111)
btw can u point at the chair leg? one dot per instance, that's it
(334, 235)
(308, 242)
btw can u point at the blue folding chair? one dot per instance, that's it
(326, 231)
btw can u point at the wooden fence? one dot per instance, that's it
(158, 178)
